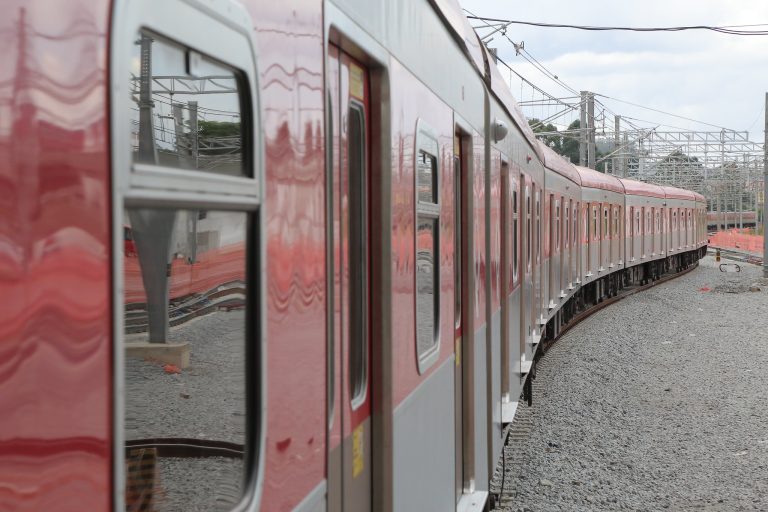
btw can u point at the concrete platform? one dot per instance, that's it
(170, 353)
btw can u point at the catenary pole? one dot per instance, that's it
(583, 130)
(765, 189)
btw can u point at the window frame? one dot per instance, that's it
(138, 185)
(427, 142)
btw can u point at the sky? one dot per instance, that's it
(716, 78)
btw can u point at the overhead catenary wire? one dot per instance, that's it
(725, 29)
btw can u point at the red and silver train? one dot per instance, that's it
(278, 256)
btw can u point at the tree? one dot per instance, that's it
(570, 145)
(552, 139)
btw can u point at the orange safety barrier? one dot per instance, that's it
(735, 239)
(212, 268)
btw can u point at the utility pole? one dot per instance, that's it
(583, 130)
(624, 157)
(765, 190)
(591, 132)
(616, 145)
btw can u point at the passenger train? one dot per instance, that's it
(295, 255)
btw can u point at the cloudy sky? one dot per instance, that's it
(715, 78)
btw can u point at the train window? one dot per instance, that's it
(427, 281)
(606, 233)
(528, 227)
(186, 333)
(457, 227)
(538, 226)
(426, 170)
(567, 225)
(358, 254)
(427, 247)
(185, 109)
(674, 220)
(615, 222)
(637, 222)
(557, 224)
(594, 223)
(187, 177)
(515, 221)
(575, 224)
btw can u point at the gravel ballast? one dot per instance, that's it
(656, 402)
(205, 401)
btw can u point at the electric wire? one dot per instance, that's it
(726, 29)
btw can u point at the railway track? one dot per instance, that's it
(517, 433)
(624, 293)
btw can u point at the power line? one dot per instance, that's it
(727, 29)
(663, 112)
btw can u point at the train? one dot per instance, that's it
(284, 256)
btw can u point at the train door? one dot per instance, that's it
(605, 239)
(660, 225)
(565, 262)
(527, 305)
(350, 454)
(575, 246)
(458, 320)
(538, 279)
(554, 222)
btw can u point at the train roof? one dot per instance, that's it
(700, 197)
(640, 188)
(558, 164)
(453, 15)
(679, 193)
(504, 95)
(593, 179)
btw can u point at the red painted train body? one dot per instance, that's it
(283, 256)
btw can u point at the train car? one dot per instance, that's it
(302, 259)
(600, 255)
(646, 242)
(561, 262)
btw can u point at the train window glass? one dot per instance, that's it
(538, 227)
(186, 335)
(557, 224)
(427, 243)
(427, 285)
(358, 255)
(426, 171)
(515, 221)
(457, 226)
(606, 233)
(595, 234)
(528, 226)
(575, 224)
(637, 222)
(567, 225)
(185, 109)
(615, 222)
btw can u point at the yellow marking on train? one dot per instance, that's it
(356, 88)
(358, 459)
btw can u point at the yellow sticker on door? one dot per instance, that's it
(358, 460)
(356, 88)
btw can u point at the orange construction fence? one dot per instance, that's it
(735, 239)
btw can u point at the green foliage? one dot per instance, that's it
(218, 129)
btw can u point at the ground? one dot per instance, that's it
(656, 402)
